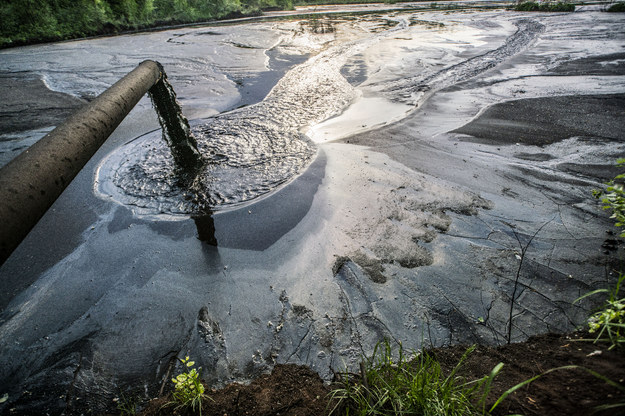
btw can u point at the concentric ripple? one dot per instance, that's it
(248, 152)
(252, 151)
(244, 160)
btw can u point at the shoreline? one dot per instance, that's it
(296, 390)
(276, 15)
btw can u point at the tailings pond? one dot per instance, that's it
(420, 176)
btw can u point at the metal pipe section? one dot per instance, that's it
(31, 182)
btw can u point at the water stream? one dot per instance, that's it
(176, 131)
(249, 152)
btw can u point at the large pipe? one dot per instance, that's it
(32, 181)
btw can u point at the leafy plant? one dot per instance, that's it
(188, 389)
(389, 387)
(613, 198)
(609, 321)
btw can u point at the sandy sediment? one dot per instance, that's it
(466, 221)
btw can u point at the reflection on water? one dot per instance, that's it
(253, 150)
(206, 229)
(247, 152)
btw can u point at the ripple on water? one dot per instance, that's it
(253, 150)
(248, 152)
(244, 160)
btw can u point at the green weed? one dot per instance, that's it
(188, 388)
(417, 386)
(613, 198)
(609, 321)
(566, 367)
(127, 406)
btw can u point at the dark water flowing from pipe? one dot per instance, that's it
(238, 156)
(176, 130)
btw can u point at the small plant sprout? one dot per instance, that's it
(188, 388)
(127, 406)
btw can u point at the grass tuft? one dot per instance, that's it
(613, 197)
(609, 321)
(388, 386)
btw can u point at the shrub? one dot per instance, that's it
(618, 7)
(532, 6)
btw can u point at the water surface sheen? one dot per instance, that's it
(253, 150)
(248, 152)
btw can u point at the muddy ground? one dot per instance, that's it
(297, 391)
(463, 221)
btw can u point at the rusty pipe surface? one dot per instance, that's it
(31, 182)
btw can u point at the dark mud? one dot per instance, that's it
(612, 64)
(424, 237)
(542, 121)
(27, 104)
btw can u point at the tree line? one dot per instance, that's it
(28, 21)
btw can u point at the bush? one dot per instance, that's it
(617, 7)
(532, 6)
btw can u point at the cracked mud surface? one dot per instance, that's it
(432, 230)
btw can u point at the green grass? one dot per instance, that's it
(532, 6)
(613, 197)
(567, 367)
(127, 406)
(608, 322)
(419, 386)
